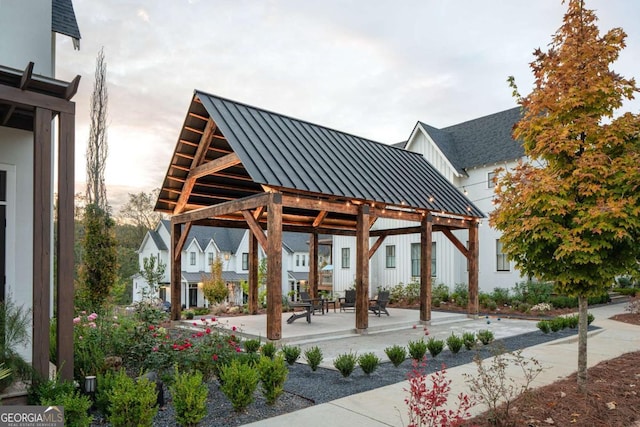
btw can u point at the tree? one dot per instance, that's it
(571, 214)
(97, 148)
(152, 274)
(139, 210)
(214, 288)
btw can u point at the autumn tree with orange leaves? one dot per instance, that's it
(571, 213)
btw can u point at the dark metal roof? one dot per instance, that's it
(227, 276)
(482, 141)
(63, 19)
(298, 275)
(287, 153)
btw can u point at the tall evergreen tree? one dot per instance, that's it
(571, 213)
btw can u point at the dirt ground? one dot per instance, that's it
(612, 399)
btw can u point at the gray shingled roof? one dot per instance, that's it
(281, 151)
(483, 141)
(160, 244)
(63, 19)
(227, 239)
(227, 276)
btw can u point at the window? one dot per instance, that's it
(210, 258)
(415, 259)
(192, 258)
(345, 258)
(297, 260)
(245, 261)
(502, 263)
(491, 176)
(304, 260)
(390, 251)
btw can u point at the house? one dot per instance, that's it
(231, 245)
(467, 155)
(32, 149)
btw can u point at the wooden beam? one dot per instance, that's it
(313, 265)
(250, 202)
(176, 271)
(34, 99)
(255, 229)
(377, 244)
(253, 274)
(362, 269)
(274, 267)
(8, 115)
(72, 88)
(214, 166)
(473, 307)
(257, 213)
(41, 240)
(319, 218)
(457, 243)
(182, 240)
(425, 267)
(396, 214)
(26, 76)
(318, 205)
(64, 245)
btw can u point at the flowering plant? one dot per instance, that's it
(89, 351)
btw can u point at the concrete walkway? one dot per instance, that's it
(385, 406)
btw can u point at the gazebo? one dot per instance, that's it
(235, 165)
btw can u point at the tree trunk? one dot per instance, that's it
(582, 343)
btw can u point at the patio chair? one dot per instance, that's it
(348, 301)
(317, 304)
(379, 305)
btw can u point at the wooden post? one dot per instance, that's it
(425, 267)
(313, 265)
(473, 307)
(41, 240)
(253, 273)
(176, 271)
(64, 297)
(274, 267)
(362, 269)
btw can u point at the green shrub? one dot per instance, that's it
(189, 315)
(454, 343)
(491, 305)
(501, 296)
(556, 324)
(461, 292)
(314, 357)
(469, 339)
(484, 298)
(345, 363)
(627, 291)
(440, 292)
(132, 403)
(600, 299)
(269, 349)
(41, 390)
(590, 318)
(189, 396)
(572, 321)
(238, 382)
(397, 294)
(105, 383)
(201, 311)
(417, 349)
(368, 362)
(544, 326)
(532, 292)
(76, 407)
(273, 374)
(412, 292)
(435, 346)
(435, 302)
(291, 353)
(485, 336)
(523, 307)
(251, 346)
(396, 354)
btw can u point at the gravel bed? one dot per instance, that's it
(306, 388)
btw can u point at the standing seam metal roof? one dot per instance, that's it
(281, 151)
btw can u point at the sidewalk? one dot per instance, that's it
(385, 406)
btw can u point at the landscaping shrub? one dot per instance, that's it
(397, 294)
(484, 298)
(105, 383)
(532, 292)
(189, 394)
(238, 382)
(441, 292)
(396, 354)
(454, 343)
(251, 346)
(556, 324)
(273, 374)
(412, 292)
(345, 363)
(269, 350)
(89, 351)
(544, 326)
(469, 339)
(435, 346)
(501, 296)
(590, 318)
(572, 321)
(132, 403)
(314, 357)
(368, 362)
(291, 353)
(491, 305)
(76, 407)
(523, 307)
(435, 302)
(189, 315)
(417, 349)
(632, 292)
(200, 311)
(460, 295)
(485, 336)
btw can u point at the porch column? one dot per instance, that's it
(253, 273)
(473, 307)
(426, 226)
(41, 240)
(274, 267)
(65, 259)
(313, 264)
(362, 269)
(176, 271)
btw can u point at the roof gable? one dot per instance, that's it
(63, 20)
